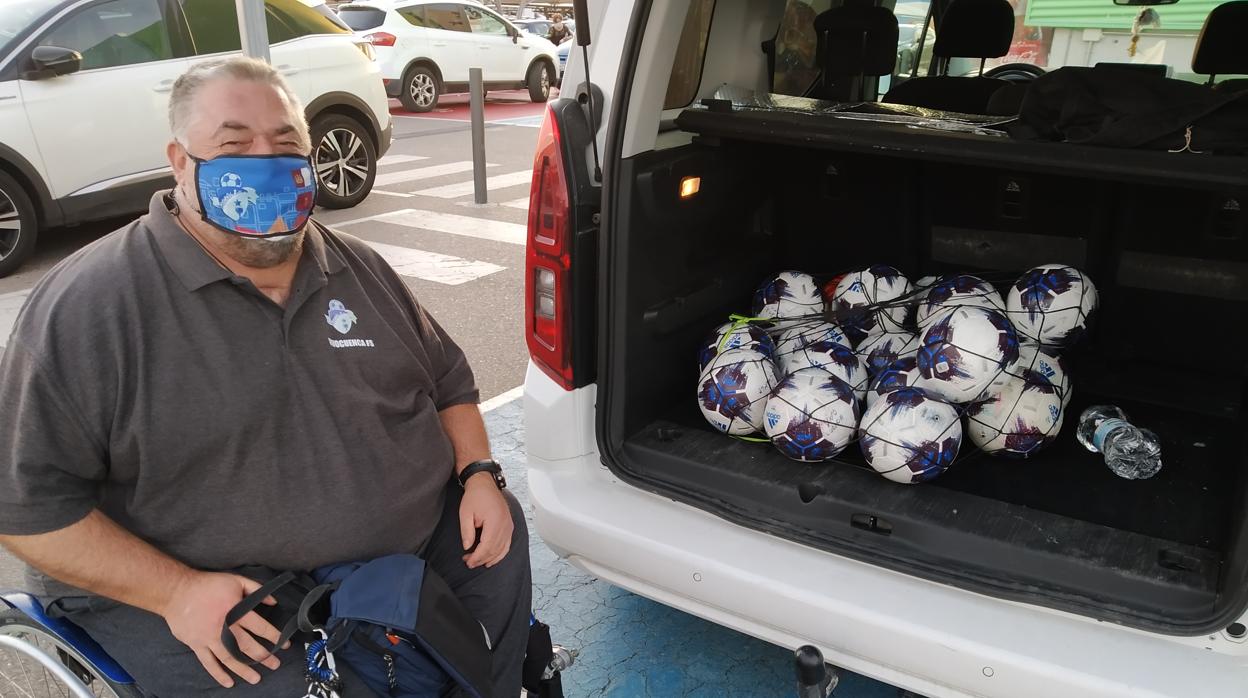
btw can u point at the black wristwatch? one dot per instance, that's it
(483, 466)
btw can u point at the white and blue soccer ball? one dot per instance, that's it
(881, 349)
(788, 295)
(1043, 367)
(231, 179)
(1052, 305)
(910, 436)
(733, 390)
(811, 416)
(810, 345)
(871, 298)
(735, 335)
(955, 290)
(1015, 417)
(963, 350)
(833, 357)
(902, 373)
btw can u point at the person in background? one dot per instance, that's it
(559, 31)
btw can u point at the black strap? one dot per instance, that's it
(306, 624)
(250, 603)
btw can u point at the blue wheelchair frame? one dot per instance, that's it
(71, 635)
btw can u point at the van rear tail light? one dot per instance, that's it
(381, 39)
(548, 260)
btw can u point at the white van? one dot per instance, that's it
(1015, 579)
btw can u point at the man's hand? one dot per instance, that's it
(484, 507)
(195, 613)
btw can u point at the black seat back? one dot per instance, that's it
(856, 43)
(980, 29)
(1219, 48)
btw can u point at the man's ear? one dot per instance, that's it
(178, 158)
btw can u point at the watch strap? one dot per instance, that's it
(487, 466)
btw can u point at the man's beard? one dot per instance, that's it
(257, 253)
(261, 253)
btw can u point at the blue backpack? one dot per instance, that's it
(393, 620)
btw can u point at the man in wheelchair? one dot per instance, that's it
(226, 383)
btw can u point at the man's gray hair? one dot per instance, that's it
(189, 83)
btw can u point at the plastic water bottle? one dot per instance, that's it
(1131, 452)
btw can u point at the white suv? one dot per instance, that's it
(1002, 578)
(84, 87)
(426, 48)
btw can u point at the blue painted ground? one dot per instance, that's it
(632, 647)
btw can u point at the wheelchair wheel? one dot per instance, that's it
(34, 663)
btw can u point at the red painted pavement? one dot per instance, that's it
(499, 105)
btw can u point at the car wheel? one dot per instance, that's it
(18, 225)
(539, 81)
(345, 160)
(420, 90)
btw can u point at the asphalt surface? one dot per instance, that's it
(465, 263)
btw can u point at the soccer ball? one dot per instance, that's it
(790, 294)
(733, 390)
(957, 290)
(910, 436)
(230, 179)
(734, 335)
(1043, 368)
(871, 298)
(903, 372)
(812, 415)
(963, 350)
(880, 349)
(1015, 417)
(835, 358)
(794, 339)
(1052, 304)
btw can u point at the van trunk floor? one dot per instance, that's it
(1190, 501)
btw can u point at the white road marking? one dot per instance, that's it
(10, 304)
(397, 159)
(392, 193)
(431, 266)
(429, 172)
(502, 399)
(451, 223)
(522, 203)
(454, 191)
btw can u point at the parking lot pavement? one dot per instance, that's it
(631, 647)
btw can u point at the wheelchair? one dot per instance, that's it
(46, 657)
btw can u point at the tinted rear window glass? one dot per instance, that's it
(690, 53)
(362, 18)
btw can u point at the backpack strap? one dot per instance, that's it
(314, 597)
(250, 603)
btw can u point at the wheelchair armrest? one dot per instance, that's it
(70, 634)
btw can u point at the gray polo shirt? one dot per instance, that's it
(147, 381)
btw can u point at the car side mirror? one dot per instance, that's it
(51, 62)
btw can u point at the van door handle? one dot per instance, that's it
(164, 86)
(287, 69)
(440, 44)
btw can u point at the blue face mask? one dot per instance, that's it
(256, 196)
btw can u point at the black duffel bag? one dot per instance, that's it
(1129, 109)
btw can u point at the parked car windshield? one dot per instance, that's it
(17, 15)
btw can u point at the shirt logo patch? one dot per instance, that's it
(339, 317)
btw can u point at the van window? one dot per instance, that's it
(448, 17)
(117, 33)
(690, 54)
(214, 28)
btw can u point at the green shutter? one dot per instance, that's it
(1104, 14)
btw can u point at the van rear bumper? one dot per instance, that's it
(933, 639)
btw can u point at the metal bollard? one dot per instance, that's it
(815, 679)
(476, 99)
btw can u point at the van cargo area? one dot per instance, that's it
(1162, 235)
